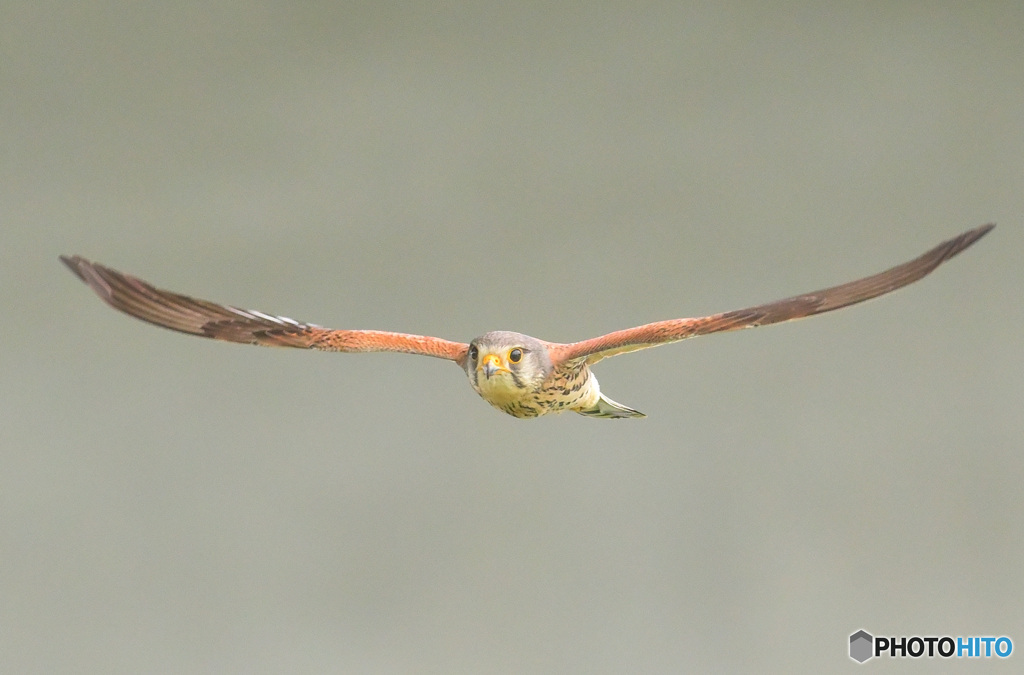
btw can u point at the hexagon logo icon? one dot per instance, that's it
(861, 644)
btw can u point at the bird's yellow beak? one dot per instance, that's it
(491, 364)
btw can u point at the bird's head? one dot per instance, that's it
(502, 365)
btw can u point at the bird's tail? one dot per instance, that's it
(605, 407)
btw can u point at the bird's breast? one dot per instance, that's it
(564, 389)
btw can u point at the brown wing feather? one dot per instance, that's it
(797, 307)
(207, 319)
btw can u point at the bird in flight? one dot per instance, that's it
(517, 374)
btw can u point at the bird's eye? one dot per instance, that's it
(516, 355)
(473, 353)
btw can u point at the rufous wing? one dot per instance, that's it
(140, 299)
(796, 307)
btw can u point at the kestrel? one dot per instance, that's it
(517, 374)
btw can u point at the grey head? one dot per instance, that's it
(503, 366)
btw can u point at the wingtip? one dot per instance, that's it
(88, 273)
(979, 232)
(74, 263)
(967, 239)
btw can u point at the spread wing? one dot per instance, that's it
(797, 307)
(208, 319)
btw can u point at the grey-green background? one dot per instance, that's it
(175, 505)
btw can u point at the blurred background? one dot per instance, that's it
(177, 505)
